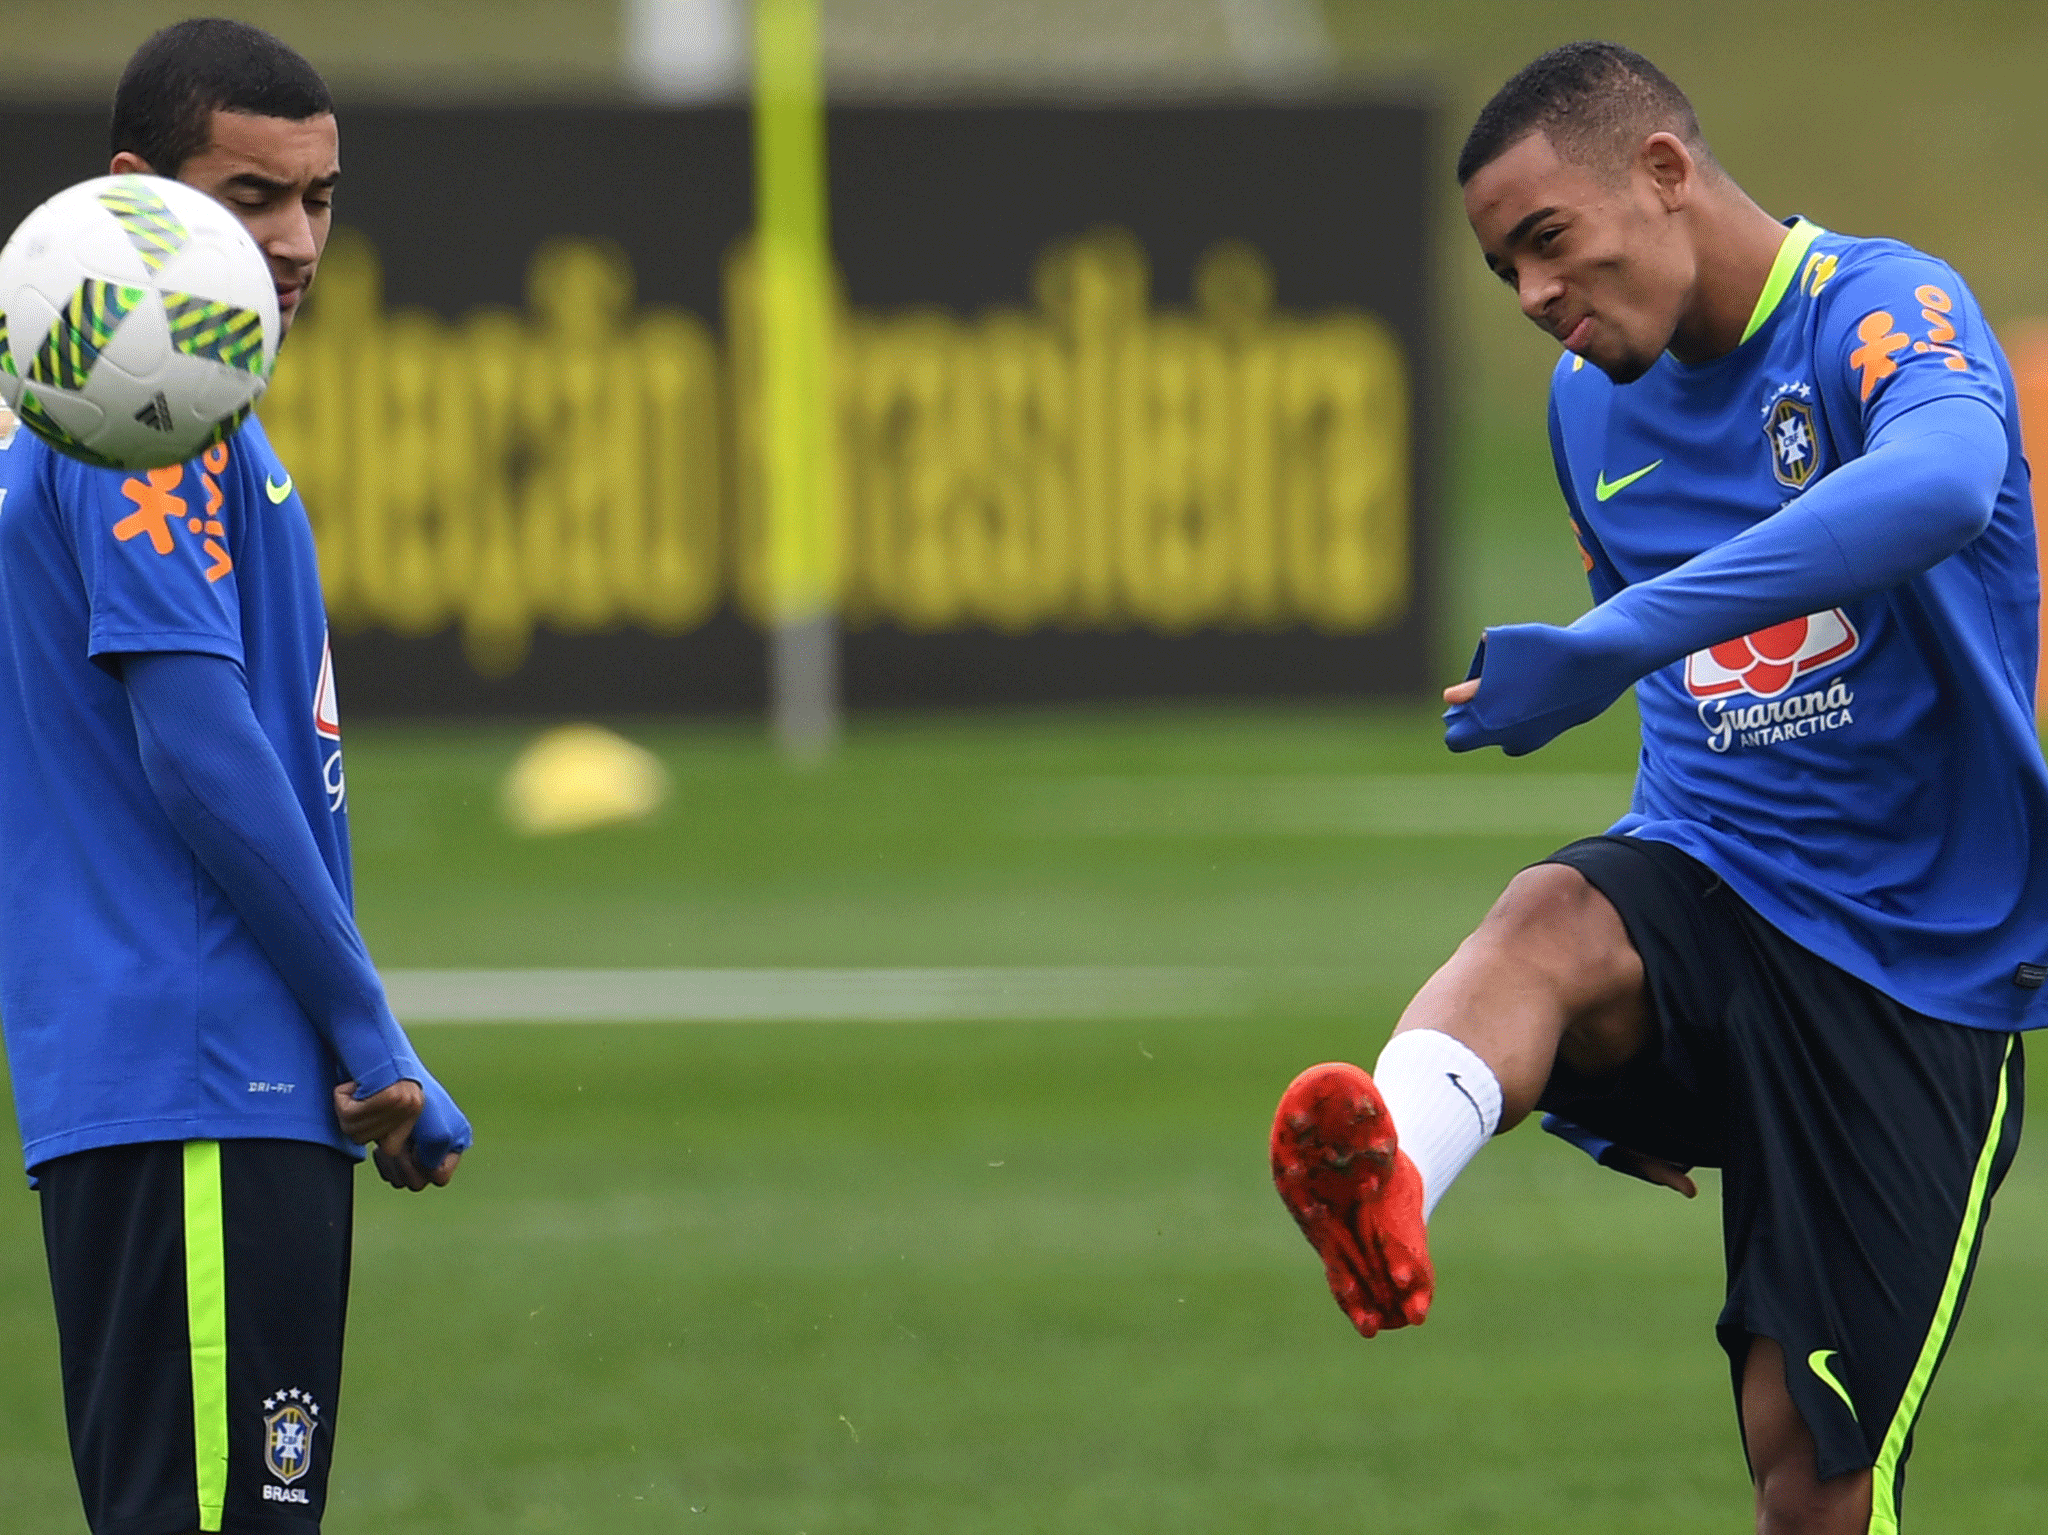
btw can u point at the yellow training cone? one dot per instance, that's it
(579, 776)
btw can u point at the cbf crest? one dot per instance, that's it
(291, 1418)
(1795, 449)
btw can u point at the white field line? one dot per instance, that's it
(796, 995)
(1561, 805)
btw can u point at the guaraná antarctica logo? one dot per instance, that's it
(1744, 685)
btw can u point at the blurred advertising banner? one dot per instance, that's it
(1133, 402)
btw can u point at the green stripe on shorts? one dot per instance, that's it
(1884, 1476)
(206, 1314)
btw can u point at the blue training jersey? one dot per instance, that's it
(1868, 778)
(137, 1004)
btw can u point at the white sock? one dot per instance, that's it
(1445, 1103)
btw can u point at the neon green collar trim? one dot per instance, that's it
(1798, 240)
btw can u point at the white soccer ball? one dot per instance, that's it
(138, 322)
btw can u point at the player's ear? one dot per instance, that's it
(1670, 167)
(129, 163)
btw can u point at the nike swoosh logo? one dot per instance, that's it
(1817, 1361)
(1607, 489)
(1478, 1113)
(278, 492)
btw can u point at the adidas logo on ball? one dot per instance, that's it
(156, 415)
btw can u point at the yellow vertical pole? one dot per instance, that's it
(800, 476)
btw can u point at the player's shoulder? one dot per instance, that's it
(26, 460)
(259, 473)
(238, 464)
(16, 442)
(1846, 255)
(28, 465)
(1844, 277)
(250, 438)
(250, 448)
(1579, 392)
(1576, 379)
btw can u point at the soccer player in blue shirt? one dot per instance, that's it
(199, 1043)
(1807, 954)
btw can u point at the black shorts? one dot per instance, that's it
(201, 1290)
(1860, 1143)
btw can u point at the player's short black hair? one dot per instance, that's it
(164, 105)
(1593, 101)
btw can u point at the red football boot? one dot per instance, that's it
(1355, 1194)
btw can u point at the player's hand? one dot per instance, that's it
(1640, 1164)
(1529, 683)
(388, 1118)
(439, 1137)
(391, 1112)
(402, 1170)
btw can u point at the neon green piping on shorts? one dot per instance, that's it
(1884, 1509)
(1798, 240)
(206, 1317)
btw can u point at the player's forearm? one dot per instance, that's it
(225, 791)
(1926, 488)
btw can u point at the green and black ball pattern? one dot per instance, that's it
(154, 231)
(222, 333)
(84, 327)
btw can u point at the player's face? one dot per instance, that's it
(1598, 263)
(277, 176)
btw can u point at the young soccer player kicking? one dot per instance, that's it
(198, 1040)
(1806, 954)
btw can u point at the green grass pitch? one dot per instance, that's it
(934, 1279)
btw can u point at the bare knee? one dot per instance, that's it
(1804, 1506)
(1550, 905)
(1550, 972)
(1552, 926)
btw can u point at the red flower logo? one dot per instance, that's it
(1769, 661)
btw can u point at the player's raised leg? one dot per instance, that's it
(1361, 1161)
